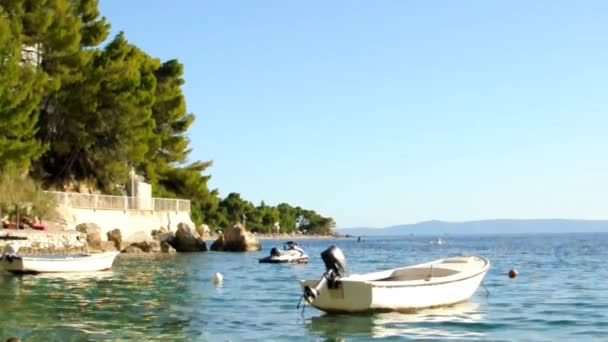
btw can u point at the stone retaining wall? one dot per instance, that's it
(37, 242)
(129, 222)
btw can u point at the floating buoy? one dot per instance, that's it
(513, 273)
(218, 278)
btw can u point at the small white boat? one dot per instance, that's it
(438, 283)
(14, 263)
(291, 252)
(437, 241)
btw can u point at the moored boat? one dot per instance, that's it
(14, 263)
(437, 283)
(437, 241)
(291, 253)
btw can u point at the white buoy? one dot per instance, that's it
(218, 278)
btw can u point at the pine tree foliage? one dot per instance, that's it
(106, 117)
(169, 145)
(20, 95)
(74, 111)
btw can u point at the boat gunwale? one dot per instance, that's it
(409, 283)
(299, 260)
(379, 284)
(404, 283)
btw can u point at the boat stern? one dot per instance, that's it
(347, 296)
(11, 263)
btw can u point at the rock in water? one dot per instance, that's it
(115, 236)
(188, 240)
(236, 239)
(93, 232)
(203, 230)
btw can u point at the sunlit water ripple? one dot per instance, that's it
(560, 294)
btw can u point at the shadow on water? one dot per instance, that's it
(461, 321)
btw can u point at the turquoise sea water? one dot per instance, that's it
(560, 294)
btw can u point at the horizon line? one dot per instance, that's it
(472, 221)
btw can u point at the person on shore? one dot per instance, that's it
(7, 223)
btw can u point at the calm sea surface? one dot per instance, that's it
(560, 294)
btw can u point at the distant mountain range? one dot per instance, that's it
(499, 226)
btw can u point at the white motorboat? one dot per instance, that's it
(14, 263)
(291, 252)
(437, 241)
(438, 283)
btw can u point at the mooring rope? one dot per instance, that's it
(303, 305)
(487, 291)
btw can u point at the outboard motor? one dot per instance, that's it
(10, 251)
(334, 269)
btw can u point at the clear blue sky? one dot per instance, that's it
(386, 112)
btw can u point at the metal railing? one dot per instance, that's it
(107, 202)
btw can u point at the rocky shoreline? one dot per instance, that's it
(37, 242)
(87, 238)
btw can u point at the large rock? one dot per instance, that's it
(144, 242)
(115, 236)
(203, 230)
(108, 246)
(165, 247)
(93, 232)
(236, 239)
(218, 244)
(188, 240)
(163, 235)
(132, 250)
(151, 246)
(139, 236)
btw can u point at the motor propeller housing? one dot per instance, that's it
(335, 263)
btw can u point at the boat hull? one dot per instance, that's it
(271, 260)
(53, 264)
(357, 295)
(283, 256)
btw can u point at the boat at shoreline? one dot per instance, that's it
(54, 263)
(437, 283)
(291, 253)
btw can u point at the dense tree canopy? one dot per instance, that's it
(74, 111)
(20, 95)
(107, 119)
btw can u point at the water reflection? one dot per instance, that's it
(455, 322)
(76, 277)
(172, 297)
(128, 303)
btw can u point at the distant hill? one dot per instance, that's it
(499, 226)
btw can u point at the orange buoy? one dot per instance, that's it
(513, 273)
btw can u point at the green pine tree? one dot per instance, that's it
(106, 117)
(20, 94)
